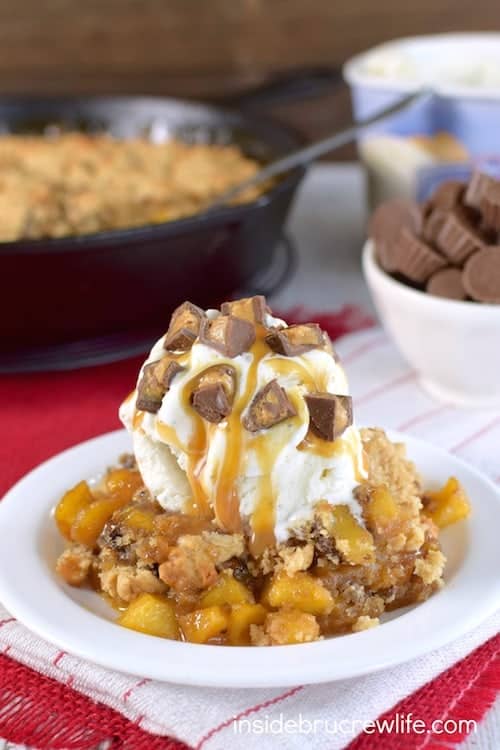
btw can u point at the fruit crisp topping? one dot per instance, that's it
(76, 183)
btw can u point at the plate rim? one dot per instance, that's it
(276, 667)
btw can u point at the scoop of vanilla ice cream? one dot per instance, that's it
(265, 482)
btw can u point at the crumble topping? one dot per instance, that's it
(285, 626)
(333, 576)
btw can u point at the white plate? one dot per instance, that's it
(81, 623)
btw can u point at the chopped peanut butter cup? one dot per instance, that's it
(330, 415)
(447, 283)
(457, 238)
(223, 374)
(270, 406)
(211, 402)
(249, 308)
(296, 339)
(482, 275)
(416, 260)
(155, 382)
(228, 334)
(184, 328)
(214, 393)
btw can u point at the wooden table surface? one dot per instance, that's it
(207, 50)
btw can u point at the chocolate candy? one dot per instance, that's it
(433, 224)
(295, 340)
(249, 308)
(447, 283)
(329, 415)
(446, 253)
(448, 195)
(223, 374)
(270, 406)
(457, 238)
(214, 393)
(184, 328)
(155, 382)
(416, 260)
(476, 189)
(211, 402)
(490, 206)
(228, 335)
(481, 276)
(386, 226)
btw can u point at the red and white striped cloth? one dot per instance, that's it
(386, 392)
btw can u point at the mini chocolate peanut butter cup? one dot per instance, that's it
(433, 224)
(270, 406)
(447, 283)
(386, 225)
(184, 327)
(416, 260)
(448, 195)
(329, 415)
(490, 207)
(458, 239)
(228, 335)
(476, 189)
(481, 275)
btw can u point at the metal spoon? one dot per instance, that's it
(308, 154)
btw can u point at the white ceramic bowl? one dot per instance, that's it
(454, 346)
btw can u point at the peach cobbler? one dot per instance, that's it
(252, 510)
(78, 183)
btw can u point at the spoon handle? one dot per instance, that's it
(310, 153)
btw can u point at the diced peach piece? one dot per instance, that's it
(152, 614)
(381, 510)
(202, 624)
(448, 504)
(242, 616)
(123, 483)
(138, 519)
(70, 505)
(354, 542)
(300, 591)
(227, 590)
(90, 521)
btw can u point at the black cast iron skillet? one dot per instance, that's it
(79, 300)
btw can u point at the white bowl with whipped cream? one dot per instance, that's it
(439, 137)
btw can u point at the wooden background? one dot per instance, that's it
(209, 48)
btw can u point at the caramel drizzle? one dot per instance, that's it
(324, 448)
(225, 500)
(263, 518)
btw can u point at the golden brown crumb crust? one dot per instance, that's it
(335, 575)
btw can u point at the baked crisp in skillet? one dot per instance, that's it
(75, 184)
